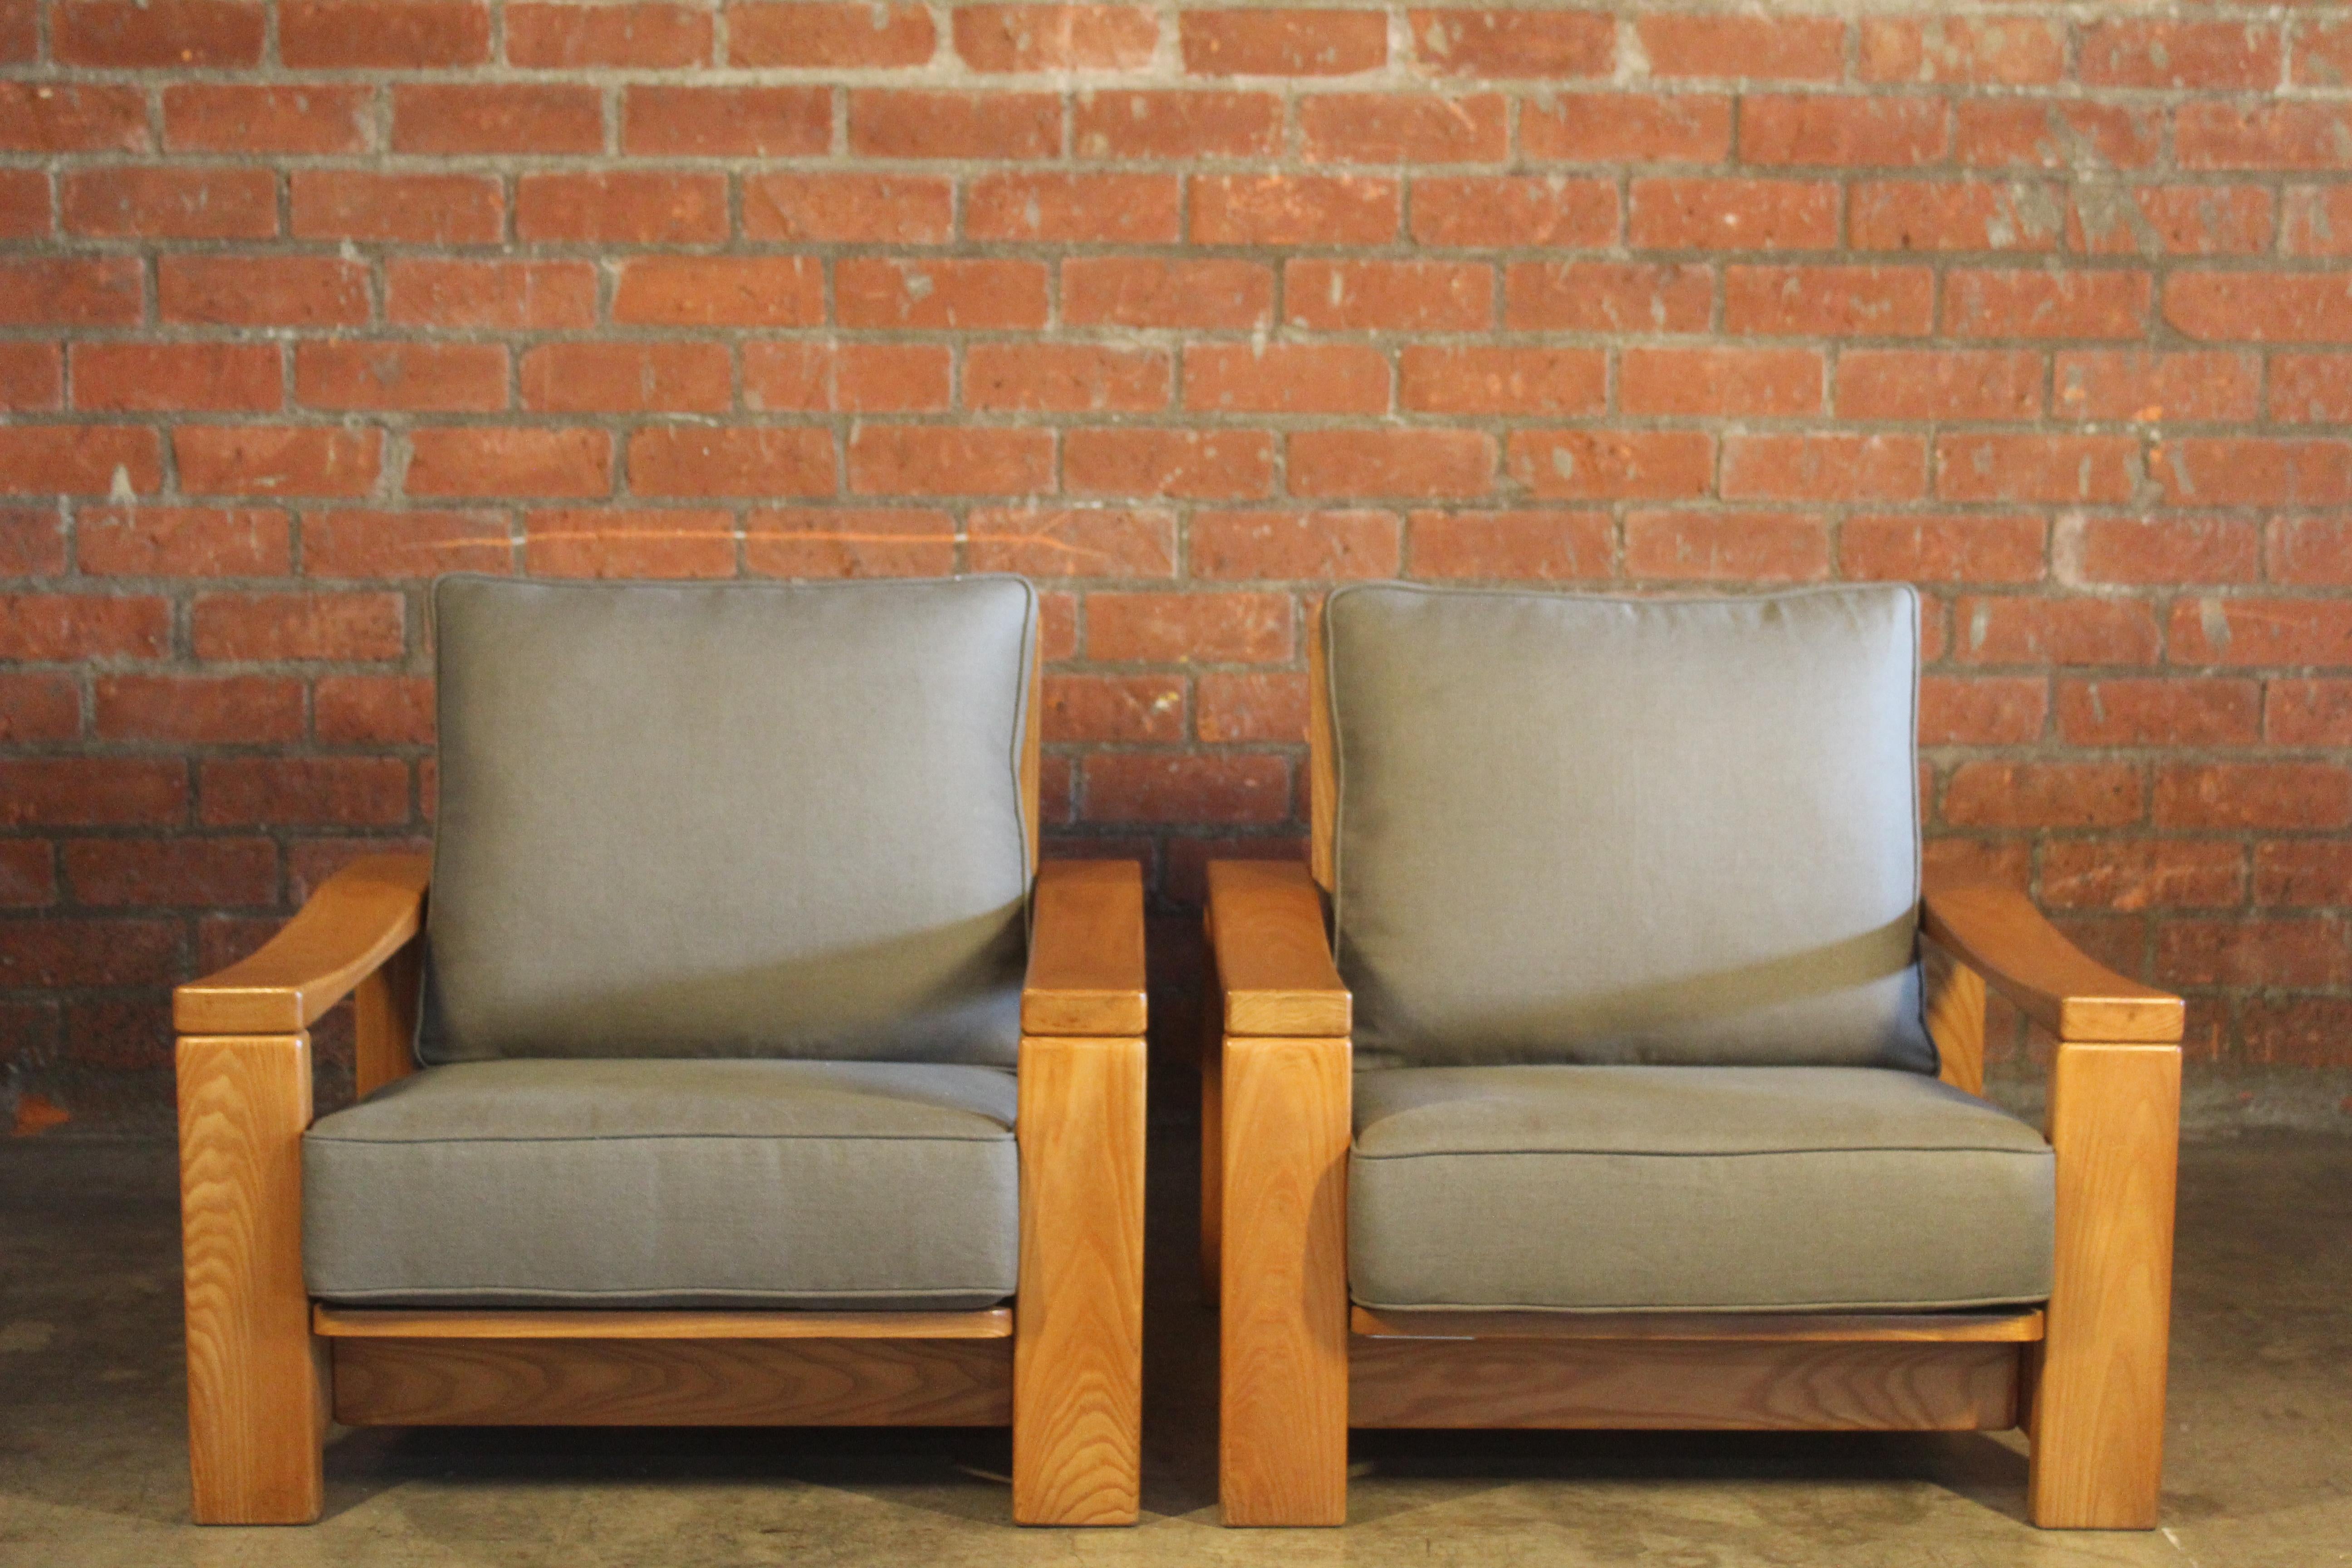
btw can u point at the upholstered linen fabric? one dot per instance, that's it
(1687, 1188)
(731, 819)
(668, 1184)
(1576, 829)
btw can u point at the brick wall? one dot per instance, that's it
(1187, 312)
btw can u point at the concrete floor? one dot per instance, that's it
(2259, 1462)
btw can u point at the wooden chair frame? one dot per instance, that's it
(2085, 1374)
(268, 1367)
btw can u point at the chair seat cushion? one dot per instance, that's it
(668, 1184)
(1691, 1189)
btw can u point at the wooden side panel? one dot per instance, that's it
(2098, 1405)
(673, 1383)
(1085, 976)
(1031, 750)
(515, 1323)
(1322, 759)
(1681, 1385)
(357, 919)
(1998, 932)
(383, 1019)
(1274, 957)
(1956, 1017)
(1283, 1441)
(2010, 1327)
(257, 1404)
(1077, 1385)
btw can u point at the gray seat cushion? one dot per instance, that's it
(730, 819)
(668, 1184)
(1575, 830)
(1674, 1188)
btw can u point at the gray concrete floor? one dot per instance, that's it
(93, 1456)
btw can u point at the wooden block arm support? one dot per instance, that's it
(1272, 956)
(1086, 951)
(1998, 932)
(358, 919)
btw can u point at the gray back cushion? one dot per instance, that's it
(1577, 829)
(742, 819)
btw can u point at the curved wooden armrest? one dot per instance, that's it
(1086, 951)
(359, 918)
(1998, 932)
(1274, 959)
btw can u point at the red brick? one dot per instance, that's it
(949, 460)
(2134, 874)
(1763, 382)
(1607, 296)
(2043, 795)
(1393, 127)
(482, 462)
(2161, 550)
(32, 376)
(262, 291)
(1548, 45)
(1823, 465)
(2004, 51)
(1919, 215)
(276, 459)
(2055, 133)
(1417, 463)
(2158, 711)
(376, 710)
(35, 708)
(1240, 708)
(2302, 871)
(2313, 550)
(648, 35)
(184, 541)
(1283, 42)
(851, 541)
(879, 209)
(721, 291)
(383, 35)
(1513, 546)
(2009, 863)
(2261, 307)
(200, 872)
(1829, 301)
(28, 880)
(365, 207)
(2054, 631)
(1080, 209)
(241, 378)
(1733, 214)
(1293, 209)
(305, 626)
(76, 953)
(2149, 387)
(1316, 546)
(76, 291)
(1482, 380)
(53, 628)
(2046, 304)
(1195, 465)
(1981, 710)
(1627, 127)
(2273, 632)
(726, 123)
(1286, 378)
(2263, 135)
(1151, 786)
(1056, 37)
(391, 545)
(2169, 220)
(1176, 125)
(161, 35)
(2229, 471)
(1736, 546)
(92, 791)
(78, 459)
(2256, 952)
(437, 117)
(511, 295)
(622, 207)
(1073, 541)
(1513, 210)
(1841, 131)
(1784, 48)
(1390, 296)
(71, 117)
(24, 204)
(943, 293)
(2299, 1031)
(1938, 383)
(2136, 52)
(796, 375)
(164, 203)
(627, 377)
(2319, 220)
(236, 791)
(20, 31)
(1178, 628)
(629, 544)
(2253, 794)
(1966, 547)
(31, 543)
(1584, 465)
(2322, 54)
(1114, 708)
(1149, 291)
(1065, 378)
(849, 35)
(2061, 469)
(904, 124)
(359, 373)
(702, 460)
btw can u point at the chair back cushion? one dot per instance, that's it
(1584, 829)
(740, 820)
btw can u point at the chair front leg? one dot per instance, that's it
(258, 1380)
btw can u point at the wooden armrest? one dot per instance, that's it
(1998, 932)
(359, 918)
(1086, 951)
(1273, 960)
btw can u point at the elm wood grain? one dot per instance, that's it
(1283, 1304)
(1085, 950)
(1681, 1385)
(1077, 1356)
(1273, 956)
(2098, 1428)
(1956, 1017)
(421, 1323)
(1322, 761)
(256, 1379)
(357, 919)
(384, 1018)
(1998, 932)
(1747, 1328)
(673, 1383)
